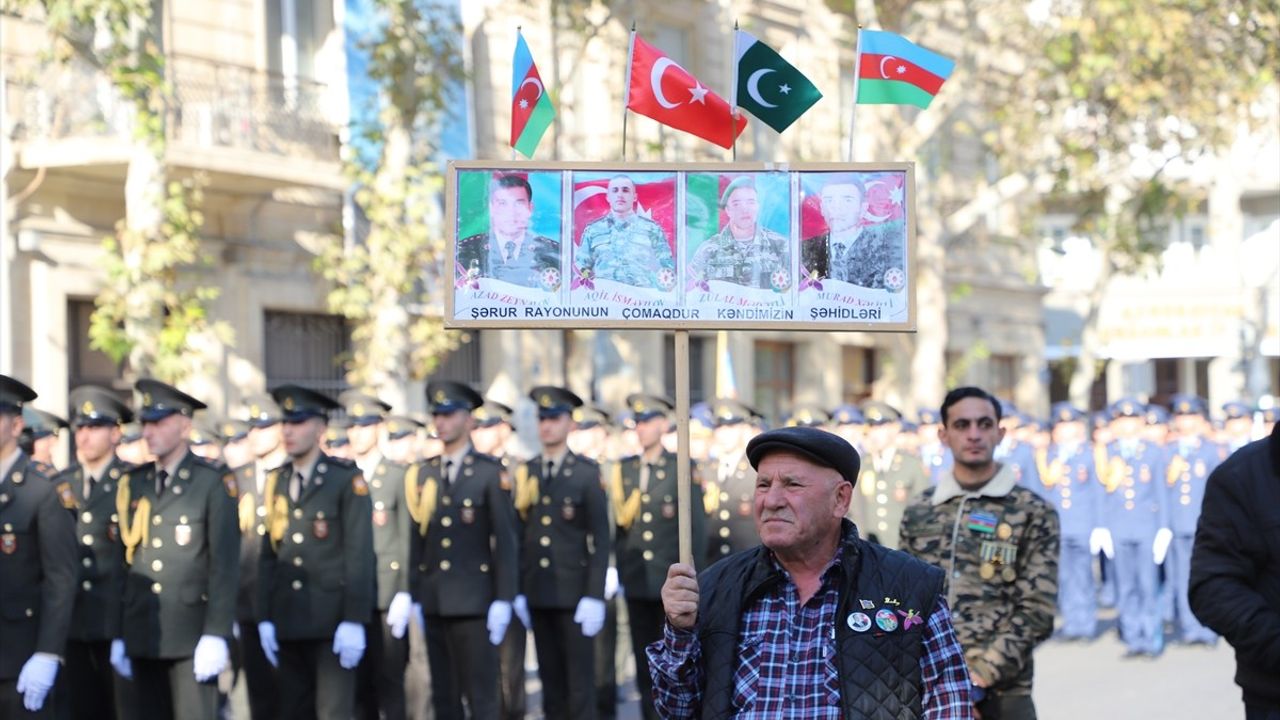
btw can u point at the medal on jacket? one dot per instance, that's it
(320, 528)
(8, 543)
(182, 534)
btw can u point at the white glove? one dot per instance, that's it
(521, 608)
(1160, 547)
(398, 614)
(348, 644)
(120, 661)
(210, 658)
(36, 679)
(422, 619)
(590, 614)
(611, 587)
(267, 638)
(499, 619)
(1100, 540)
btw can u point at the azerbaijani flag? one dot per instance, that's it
(531, 109)
(892, 70)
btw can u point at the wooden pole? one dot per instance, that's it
(683, 480)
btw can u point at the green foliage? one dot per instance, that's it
(388, 283)
(145, 312)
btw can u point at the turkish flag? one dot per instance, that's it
(662, 90)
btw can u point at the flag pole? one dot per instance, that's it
(626, 92)
(514, 89)
(857, 71)
(733, 95)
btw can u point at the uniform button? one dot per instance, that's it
(155, 520)
(544, 541)
(882, 498)
(1128, 505)
(484, 567)
(1129, 494)
(546, 520)
(86, 585)
(724, 532)
(881, 512)
(446, 543)
(1066, 504)
(376, 483)
(724, 514)
(157, 542)
(262, 529)
(422, 567)
(157, 565)
(395, 565)
(86, 517)
(297, 538)
(87, 539)
(29, 612)
(647, 517)
(544, 563)
(724, 497)
(445, 565)
(262, 511)
(880, 485)
(297, 513)
(546, 500)
(297, 561)
(647, 535)
(87, 562)
(379, 505)
(297, 585)
(156, 588)
(1185, 499)
(446, 522)
(724, 549)
(643, 498)
(1066, 492)
(883, 526)
(648, 554)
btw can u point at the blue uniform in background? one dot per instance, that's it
(1190, 460)
(1133, 508)
(1022, 458)
(1069, 482)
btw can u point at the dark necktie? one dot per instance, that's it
(551, 469)
(448, 471)
(510, 249)
(162, 481)
(88, 485)
(297, 486)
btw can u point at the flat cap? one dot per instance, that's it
(300, 403)
(492, 413)
(447, 396)
(42, 423)
(13, 393)
(646, 407)
(554, 401)
(262, 410)
(821, 447)
(362, 408)
(94, 405)
(159, 401)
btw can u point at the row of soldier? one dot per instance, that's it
(481, 545)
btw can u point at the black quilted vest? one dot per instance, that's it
(879, 671)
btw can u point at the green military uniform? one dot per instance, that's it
(37, 564)
(729, 500)
(182, 542)
(465, 564)
(999, 548)
(632, 250)
(645, 501)
(90, 687)
(563, 559)
(316, 570)
(380, 679)
(889, 480)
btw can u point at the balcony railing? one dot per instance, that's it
(212, 105)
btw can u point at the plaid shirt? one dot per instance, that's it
(787, 659)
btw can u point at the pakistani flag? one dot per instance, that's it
(768, 86)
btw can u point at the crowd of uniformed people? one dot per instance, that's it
(294, 547)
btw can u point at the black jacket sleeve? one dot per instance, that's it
(58, 563)
(224, 556)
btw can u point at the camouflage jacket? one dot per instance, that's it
(751, 263)
(630, 251)
(999, 550)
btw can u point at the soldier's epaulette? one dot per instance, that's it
(630, 459)
(487, 459)
(340, 462)
(71, 474)
(245, 470)
(587, 461)
(215, 465)
(140, 470)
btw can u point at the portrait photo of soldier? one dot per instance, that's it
(855, 245)
(745, 251)
(625, 243)
(513, 247)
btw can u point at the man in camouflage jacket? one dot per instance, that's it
(997, 542)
